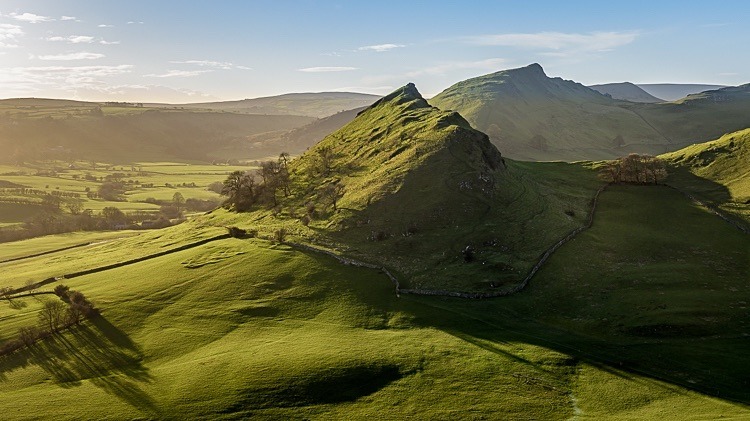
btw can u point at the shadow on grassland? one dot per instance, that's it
(95, 351)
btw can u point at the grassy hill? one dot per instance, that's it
(428, 197)
(717, 172)
(626, 91)
(531, 116)
(244, 328)
(312, 104)
(642, 316)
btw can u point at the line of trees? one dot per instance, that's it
(635, 169)
(56, 315)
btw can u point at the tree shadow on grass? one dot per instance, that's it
(95, 351)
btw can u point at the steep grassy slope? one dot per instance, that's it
(717, 172)
(429, 197)
(530, 116)
(312, 104)
(242, 328)
(626, 91)
(131, 135)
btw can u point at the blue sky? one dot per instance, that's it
(189, 51)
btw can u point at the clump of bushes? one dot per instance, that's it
(279, 235)
(236, 232)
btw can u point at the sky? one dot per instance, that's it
(194, 51)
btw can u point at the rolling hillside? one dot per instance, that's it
(124, 135)
(240, 328)
(625, 91)
(623, 322)
(294, 141)
(313, 104)
(533, 117)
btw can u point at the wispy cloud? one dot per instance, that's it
(326, 69)
(83, 55)
(104, 25)
(69, 18)
(206, 63)
(27, 80)
(558, 41)
(73, 39)
(380, 48)
(105, 42)
(443, 68)
(223, 65)
(180, 73)
(31, 17)
(9, 34)
(132, 22)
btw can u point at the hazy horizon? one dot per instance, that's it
(180, 52)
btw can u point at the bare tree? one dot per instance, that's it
(634, 168)
(52, 315)
(240, 189)
(325, 159)
(332, 192)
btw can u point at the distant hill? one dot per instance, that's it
(675, 91)
(128, 134)
(625, 91)
(322, 104)
(43, 102)
(533, 117)
(293, 141)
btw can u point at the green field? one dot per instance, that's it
(145, 183)
(240, 328)
(16, 249)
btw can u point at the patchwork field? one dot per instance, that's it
(144, 188)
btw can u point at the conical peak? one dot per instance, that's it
(405, 94)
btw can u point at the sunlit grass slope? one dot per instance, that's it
(242, 328)
(420, 187)
(716, 171)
